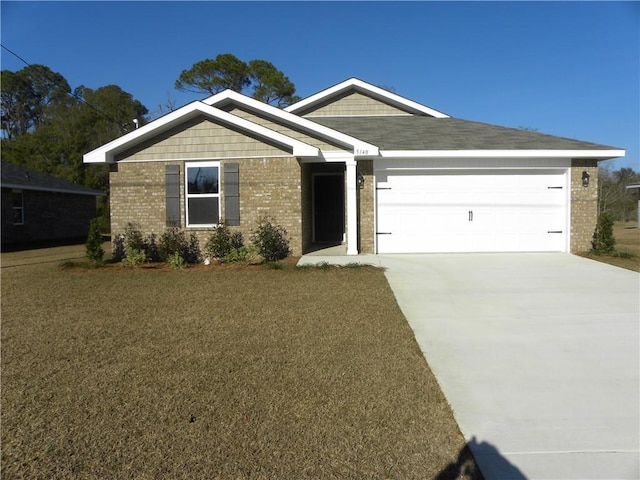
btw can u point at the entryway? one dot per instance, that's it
(328, 208)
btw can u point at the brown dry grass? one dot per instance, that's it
(260, 374)
(627, 255)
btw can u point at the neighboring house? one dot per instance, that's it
(37, 207)
(358, 165)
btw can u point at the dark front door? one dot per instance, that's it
(328, 207)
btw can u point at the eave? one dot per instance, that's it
(590, 154)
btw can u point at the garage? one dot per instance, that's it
(467, 210)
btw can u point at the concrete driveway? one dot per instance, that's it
(537, 355)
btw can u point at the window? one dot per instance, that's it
(203, 194)
(17, 201)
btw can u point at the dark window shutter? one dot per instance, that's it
(172, 194)
(231, 194)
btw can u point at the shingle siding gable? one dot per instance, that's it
(200, 138)
(352, 103)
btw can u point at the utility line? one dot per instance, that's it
(76, 96)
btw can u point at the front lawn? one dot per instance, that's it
(627, 248)
(198, 373)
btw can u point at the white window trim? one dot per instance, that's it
(187, 196)
(21, 207)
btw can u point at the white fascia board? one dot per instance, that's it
(359, 147)
(594, 154)
(106, 153)
(367, 87)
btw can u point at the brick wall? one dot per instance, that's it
(138, 196)
(366, 224)
(584, 205)
(272, 187)
(47, 216)
(268, 187)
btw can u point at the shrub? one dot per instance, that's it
(118, 248)
(172, 241)
(94, 251)
(237, 240)
(133, 257)
(176, 261)
(219, 243)
(192, 252)
(133, 237)
(271, 240)
(243, 255)
(603, 239)
(151, 248)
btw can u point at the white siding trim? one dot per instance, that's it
(594, 154)
(372, 90)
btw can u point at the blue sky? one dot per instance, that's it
(565, 68)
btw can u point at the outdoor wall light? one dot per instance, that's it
(360, 180)
(585, 178)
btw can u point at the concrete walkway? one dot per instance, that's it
(537, 355)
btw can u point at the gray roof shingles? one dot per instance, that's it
(15, 176)
(429, 133)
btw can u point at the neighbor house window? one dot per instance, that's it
(17, 201)
(203, 194)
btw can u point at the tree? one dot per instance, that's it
(29, 97)
(614, 198)
(209, 76)
(270, 85)
(226, 71)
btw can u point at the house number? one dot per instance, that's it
(361, 152)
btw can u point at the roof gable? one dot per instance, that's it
(314, 103)
(107, 153)
(228, 99)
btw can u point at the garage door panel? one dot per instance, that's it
(472, 211)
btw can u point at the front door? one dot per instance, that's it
(328, 207)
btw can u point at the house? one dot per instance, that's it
(38, 207)
(358, 165)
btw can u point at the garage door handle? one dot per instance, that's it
(383, 233)
(471, 215)
(554, 231)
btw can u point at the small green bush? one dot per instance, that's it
(118, 248)
(172, 241)
(603, 240)
(151, 248)
(192, 253)
(219, 243)
(237, 240)
(133, 237)
(176, 261)
(243, 255)
(271, 240)
(133, 257)
(94, 250)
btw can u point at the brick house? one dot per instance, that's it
(356, 165)
(38, 207)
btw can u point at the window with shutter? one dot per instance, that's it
(202, 194)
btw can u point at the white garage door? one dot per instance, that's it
(471, 211)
